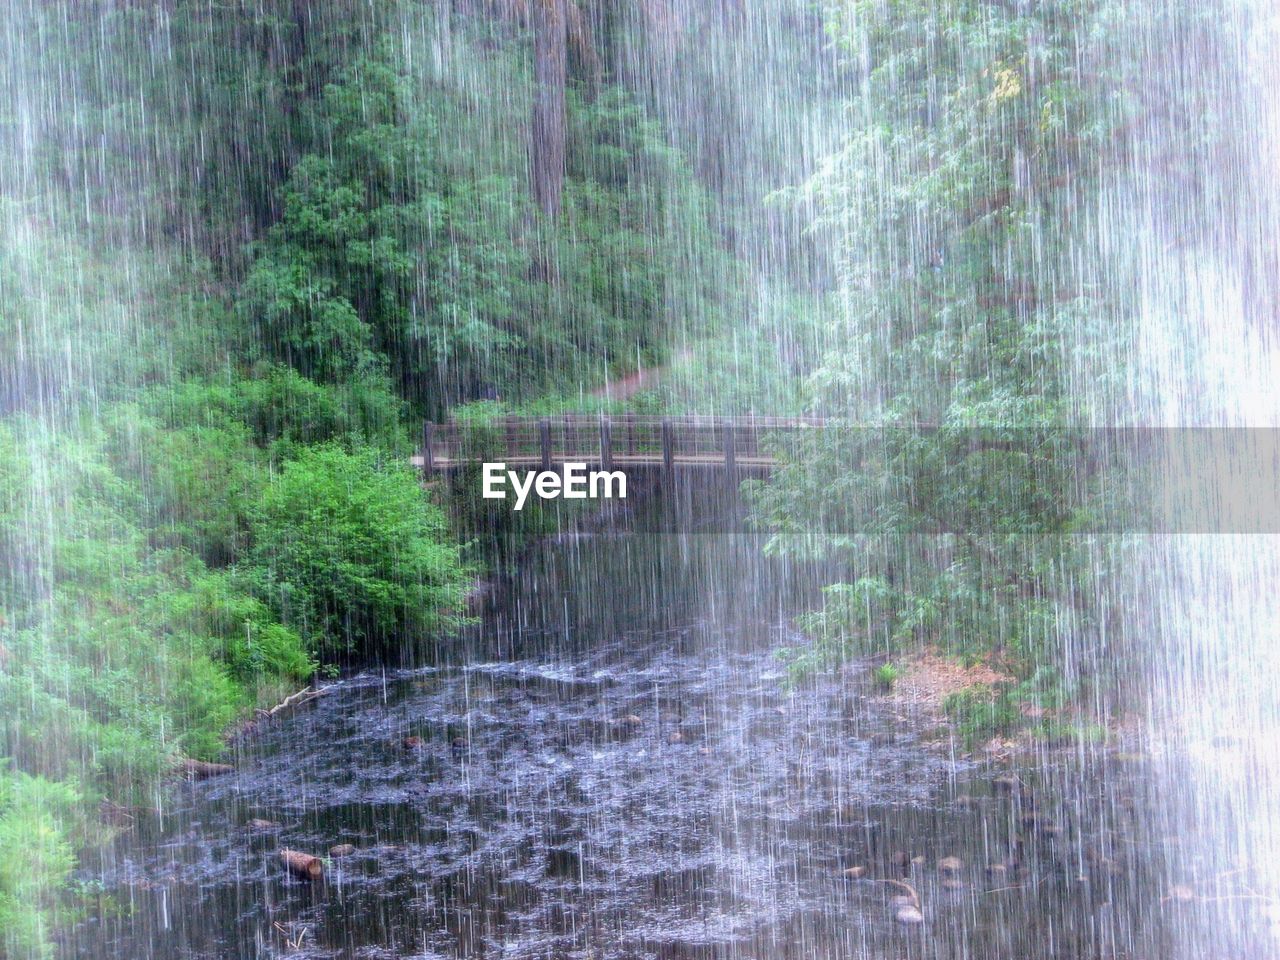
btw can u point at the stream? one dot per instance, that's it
(613, 764)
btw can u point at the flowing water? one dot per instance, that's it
(625, 772)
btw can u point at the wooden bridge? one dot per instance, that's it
(608, 442)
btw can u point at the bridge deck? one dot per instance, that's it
(608, 442)
(618, 461)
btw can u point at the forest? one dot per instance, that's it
(251, 247)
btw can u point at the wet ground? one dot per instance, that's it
(613, 765)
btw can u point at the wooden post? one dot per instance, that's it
(668, 447)
(730, 452)
(428, 455)
(606, 443)
(544, 440)
(631, 434)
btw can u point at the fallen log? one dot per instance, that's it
(202, 770)
(302, 865)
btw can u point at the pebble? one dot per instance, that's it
(909, 915)
(342, 850)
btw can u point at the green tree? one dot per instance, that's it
(949, 480)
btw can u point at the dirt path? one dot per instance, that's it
(633, 383)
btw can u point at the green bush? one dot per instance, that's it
(887, 674)
(40, 825)
(351, 554)
(283, 410)
(981, 713)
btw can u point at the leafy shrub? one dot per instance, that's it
(981, 713)
(40, 824)
(887, 674)
(284, 410)
(352, 555)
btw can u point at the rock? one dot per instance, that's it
(342, 850)
(676, 737)
(625, 726)
(411, 743)
(855, 873)
(258, 824)
(908, 914)
(1040, 825)
(564, 862)
(900, 859)
(458, 747)
(950, 865)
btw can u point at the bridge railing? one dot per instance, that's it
(608, 440)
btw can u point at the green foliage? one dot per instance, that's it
(41, 823)
(284, 410)
(352, 555)
(1035, 706)
(220, 305)
(981, 713)
(886, 675)
(950, 479)
(399, 255)
(120, 649)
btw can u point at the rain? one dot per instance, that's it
(639, 479)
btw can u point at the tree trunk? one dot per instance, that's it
(547, 146)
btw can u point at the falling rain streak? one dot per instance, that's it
(927, 666)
